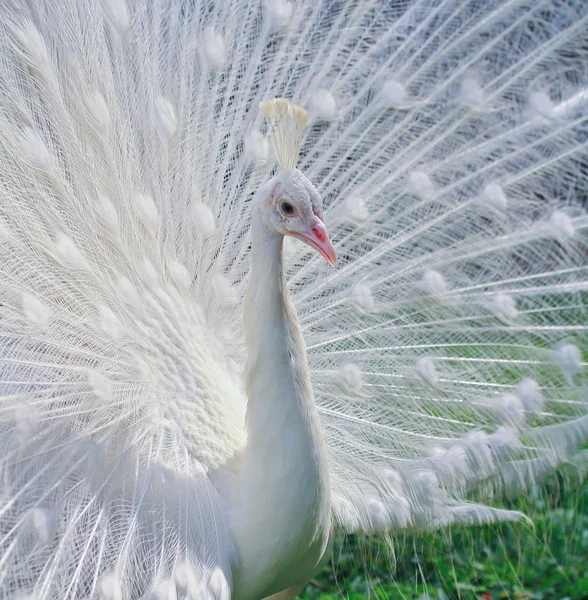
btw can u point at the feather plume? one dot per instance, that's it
(286, 122)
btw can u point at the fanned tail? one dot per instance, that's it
(449, 348)
(119, 383)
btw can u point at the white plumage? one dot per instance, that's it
(155, 445)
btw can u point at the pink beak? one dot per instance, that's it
(318, 238)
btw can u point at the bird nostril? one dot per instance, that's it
(318, 232)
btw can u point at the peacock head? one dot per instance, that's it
(291, 205)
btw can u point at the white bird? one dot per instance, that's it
(155, 445)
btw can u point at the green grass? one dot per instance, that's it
(546, 561)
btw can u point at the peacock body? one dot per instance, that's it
(191, 400)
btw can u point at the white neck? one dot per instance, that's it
(281, 514)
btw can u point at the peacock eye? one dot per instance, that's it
(287, 209)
